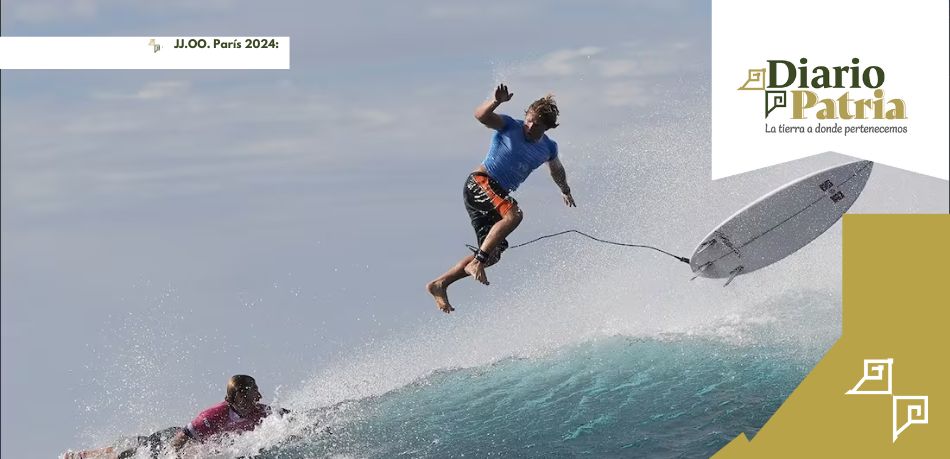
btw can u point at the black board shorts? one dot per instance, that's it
(486, 202)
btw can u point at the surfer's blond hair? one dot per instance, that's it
(546, 110)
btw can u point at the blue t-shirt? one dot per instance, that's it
(511, 157)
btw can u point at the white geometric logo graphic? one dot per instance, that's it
(915, 408)
(875, 372)
(905, 409)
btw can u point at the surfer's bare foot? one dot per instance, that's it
(438, 292)
(477, 270)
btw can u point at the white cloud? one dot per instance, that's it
(47, 11)
(619, 67)
(150, 91)
(494, 11)
(592, 63)
(640, 60)
(279, 146)
(447, 11)
(99, 124)
(121, 140)
(186, 131)
(563, 63)
(161, 89)
(625, 94)
(593, 78)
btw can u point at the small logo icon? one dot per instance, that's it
(906, 410)
(155, 46)
(910, 409)
(877, 378)
(755, 81)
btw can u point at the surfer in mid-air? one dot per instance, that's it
(518, 147)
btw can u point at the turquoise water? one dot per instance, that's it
(478, 389)
(614, 397)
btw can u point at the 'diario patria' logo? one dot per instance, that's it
(843, 92)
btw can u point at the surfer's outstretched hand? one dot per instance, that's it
(568, 199)
(502, 95)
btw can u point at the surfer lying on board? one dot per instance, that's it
(239, 412)
(517, 148)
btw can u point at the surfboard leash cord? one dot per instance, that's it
(639, 246)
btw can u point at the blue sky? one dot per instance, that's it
(163, 230)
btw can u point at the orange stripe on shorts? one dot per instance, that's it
(503, 205)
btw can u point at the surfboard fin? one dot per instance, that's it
(705, 245)
(732, 275)
(702, 268)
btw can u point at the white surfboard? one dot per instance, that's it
(779, 223)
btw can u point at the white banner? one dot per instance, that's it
(865, 78)
(213, 53)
